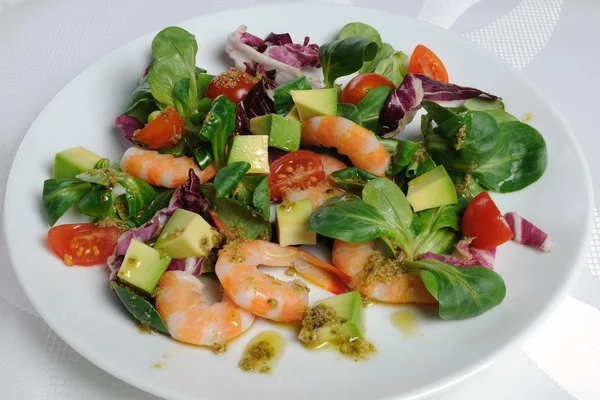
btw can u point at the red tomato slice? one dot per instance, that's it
(360, 86)
(162, 132)
(299, 170)
(483, 221)
(424, 61)
(233, 84)
(83, 244)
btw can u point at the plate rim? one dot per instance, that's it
(531, 327)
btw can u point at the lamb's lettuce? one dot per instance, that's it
(384, 212)
(346, 56)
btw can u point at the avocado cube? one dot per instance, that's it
(284, 133)
(293, 114)
(252, 149)
(72, 162)
(143, 266)
(315, 103)
(432, 189)
(335, 319)
(292, 220)
(186, 234)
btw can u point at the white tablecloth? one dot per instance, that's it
(44, 44)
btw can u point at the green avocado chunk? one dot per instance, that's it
(315, 103)
(143, 266)
(284, 133)
(333, 320)
(432, 189)
(253, 149)
(292, 220)
(186, 234)
(72, 162)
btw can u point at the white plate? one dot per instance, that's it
(78, 305)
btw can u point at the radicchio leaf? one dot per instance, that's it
(527, 233)
(295, 54)
(256, 103)
(241, 54)
(188, 196)
(253, 41)
(278, 39)
(267, 76)
(128, 125)
(193, 265)
(404, 102)
(401, 106)
(466, 256)
(445, 92)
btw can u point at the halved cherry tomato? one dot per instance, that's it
(162, 132)
(424, 61)
(299, 170)
(360, 86)
(483, 221)
(233, 84)
(83, 244)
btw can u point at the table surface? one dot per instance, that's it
(45, 44)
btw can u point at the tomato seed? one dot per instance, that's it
(95, 250)
(281, 176)
(289, 169)
(68, 259)
(313, 179)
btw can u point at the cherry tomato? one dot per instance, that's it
(424, 61)
(83, 244)
(483, 221)
(233, 84)
(360, 86)
(162, 132)
(299, 170)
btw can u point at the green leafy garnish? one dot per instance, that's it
(60, 194)
(461, 292)
(344, 57)
(228, 177)
(218, 125)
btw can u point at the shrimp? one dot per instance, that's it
(162, 169)
(359, 144)
(377, 276)
(264, 295)
(323, 190)
(331, 164)
(317, 194)
(190, 319)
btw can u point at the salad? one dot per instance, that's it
(233, 171)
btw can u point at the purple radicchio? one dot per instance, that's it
(256, 103)
(295, 54)
(404, 102)
(193, 265)
(253, 41)
(527, 233)
(189, 197)
(129, 125)
(242, 49)
(466, 256)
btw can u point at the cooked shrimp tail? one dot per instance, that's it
(190, 319)
(359, 144)
(321, 273)
(162, 169)
(379, 277)
(263, 294)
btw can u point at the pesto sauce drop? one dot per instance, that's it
(263, 352)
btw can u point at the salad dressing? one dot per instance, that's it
(263, 352)
(406, 322)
